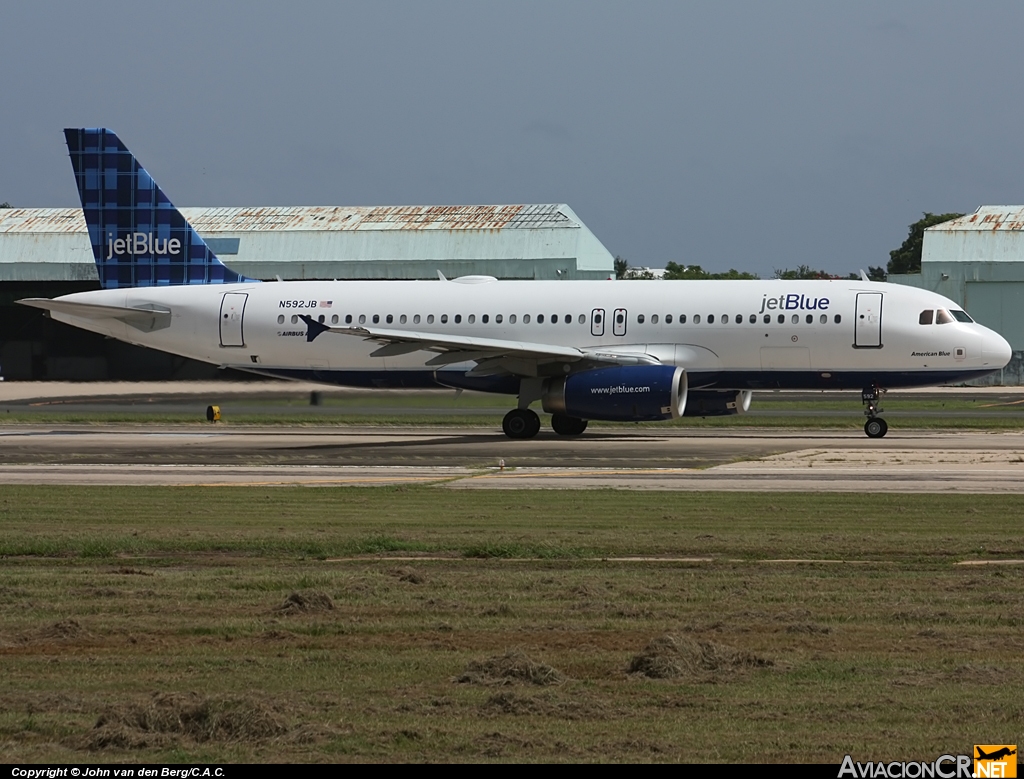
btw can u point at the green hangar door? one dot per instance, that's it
(999, 305)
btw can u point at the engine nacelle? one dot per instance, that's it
(623, 394)
(708, 403)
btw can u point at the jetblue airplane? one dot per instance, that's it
(622, 351)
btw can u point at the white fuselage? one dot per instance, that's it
(818, 334)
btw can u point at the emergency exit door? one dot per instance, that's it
(867, 332)
(232, 307)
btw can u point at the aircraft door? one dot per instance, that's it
(619, 323)
(868, 327)
(232, 307)
(597, 322)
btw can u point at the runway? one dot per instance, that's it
(732, 460)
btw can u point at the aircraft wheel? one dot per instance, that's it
(876, 427)
(521, 423)
(566, 425)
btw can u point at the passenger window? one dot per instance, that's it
(511, 319)
(485, 318)
(472, 318)
(554, 319)
(362, 319)
(739, 319)
(926, 317)
(390, 319)
(640, 319)
(767, 319)
(415, 319)
(444, 319)
(568, 319)
(280, 319)
(711, 319)
(321, 318)
(619, 319)
(334, 319)
(753, 319)
(809, 319)
(401, 319)
(376, 319)
(696, 319)
(839, 318)
(597, 319)
(497, 318)
(668, 319)
(458, 319)
(782, 319)
(295, 319)
(583, 319)
(682, 319)
(430, 319)
(654, 319)
(348, 319)
(823, 319)
(725, 319)
(796, 319)
(540, 319)
(942, 317)
(526, 319)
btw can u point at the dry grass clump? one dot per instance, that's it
(304, 603)
(166, 717)
(67, 630)
(513, 667)
(410, 575)
(668, 657)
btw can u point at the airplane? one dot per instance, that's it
(587, 350)
(998, 754)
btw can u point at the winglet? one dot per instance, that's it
(315, 328)
(441, 276)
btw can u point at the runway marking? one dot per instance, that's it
(990, 562)
(573, 473)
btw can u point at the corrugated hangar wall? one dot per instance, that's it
(46, 253)
(978, 261)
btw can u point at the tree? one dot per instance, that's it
(5, 204)
(804, 272)
(621, 268)
(674, 271)
(907, 259)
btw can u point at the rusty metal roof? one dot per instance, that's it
(318, 218)
(986, 218)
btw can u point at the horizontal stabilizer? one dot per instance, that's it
(146, 319)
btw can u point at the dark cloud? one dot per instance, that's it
(730, 134)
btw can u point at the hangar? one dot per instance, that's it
(45, 252)
(978, 261)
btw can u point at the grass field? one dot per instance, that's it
(416, 624)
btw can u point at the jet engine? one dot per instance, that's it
(623, 394)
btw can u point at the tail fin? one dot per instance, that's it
(139, 239)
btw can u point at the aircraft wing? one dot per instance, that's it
(492, 355)
(145, 319)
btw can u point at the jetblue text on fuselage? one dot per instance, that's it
(793, 302)
(141, 243)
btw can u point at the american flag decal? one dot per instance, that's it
(326, 303)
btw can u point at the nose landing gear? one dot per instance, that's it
(875, 427)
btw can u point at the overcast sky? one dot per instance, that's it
(753, 135)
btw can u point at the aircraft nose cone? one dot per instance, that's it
(997, 349)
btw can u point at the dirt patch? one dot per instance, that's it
(130, 572)
(65, 631)
(305, 603)
(669, 657)
(513, 667)
(410, 575)
(168, 717)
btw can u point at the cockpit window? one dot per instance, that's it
(926, 317)
(942, 317)
(961, 316)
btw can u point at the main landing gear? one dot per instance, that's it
(521, 423)
(875, 427)
(524, 423)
